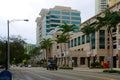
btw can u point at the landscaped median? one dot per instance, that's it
(111, 71)
(66, 68)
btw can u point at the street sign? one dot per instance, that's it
(108, 58)
(5, 75)
(118, 47)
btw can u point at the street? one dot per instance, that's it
(25, 73)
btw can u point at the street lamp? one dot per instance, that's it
(8, 46)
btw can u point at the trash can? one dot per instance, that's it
(106, 65)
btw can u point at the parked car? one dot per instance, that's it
(1, 67)
(51, 65)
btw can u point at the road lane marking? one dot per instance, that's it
(39, 76)
(85, 75)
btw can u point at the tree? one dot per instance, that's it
(2, 52)
(35, 51)
(110, 21)
(66, 29)
(16, 48)
(46, 44)
(87, 30)
(62, 38)
(20, 58)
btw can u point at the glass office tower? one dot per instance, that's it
(51, 18)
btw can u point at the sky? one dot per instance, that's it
(30, 9)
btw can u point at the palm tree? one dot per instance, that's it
(87, 30)
(46, 44)
(110, 21)
(62, 38)
(66, 29)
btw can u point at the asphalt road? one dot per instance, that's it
(43, 74)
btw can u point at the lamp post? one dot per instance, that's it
(8, 45)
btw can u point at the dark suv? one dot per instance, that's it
(51, 65)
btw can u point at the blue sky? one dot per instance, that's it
(29, 9)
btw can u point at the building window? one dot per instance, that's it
(87, 38)
(72, 43)
(54, 12)
(82, 60)
(114, 38)
(55, 21)
(78, 40)
(57, 47)
(78, 49)
(55, 16)
(102, 39)
(57, 36)
(75, 18)
(114, 46)
(66, 21)
(66, 13)
(75, 22)
(75, 14)
(75, 42)
(54, 25)
(113, 30)
(81, 49)
(93, 40)
(65, 17)
(83, 39)
(69, 44)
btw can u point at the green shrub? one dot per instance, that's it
(66, 67)
(96, 65)
(118, 72)
(111, 71)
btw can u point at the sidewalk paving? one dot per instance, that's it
(93, 70)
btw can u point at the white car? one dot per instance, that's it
(29, 65)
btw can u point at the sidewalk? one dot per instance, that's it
(93, 70)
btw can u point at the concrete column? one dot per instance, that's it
(67, 61)
(86, 61)
(119, 54)
(119, 58)
(61, 61)
(70, 61)
(78, 61)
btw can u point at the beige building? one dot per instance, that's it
(78, 53)
(80, 46)
(101, 5)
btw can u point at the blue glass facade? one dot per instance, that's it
(65, 17)
(75, 14)
(56, 18)
(54, 12)
(65, 13)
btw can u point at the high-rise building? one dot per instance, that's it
(51, 18)
(101, 5)
(29, 47)
(112, 2)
